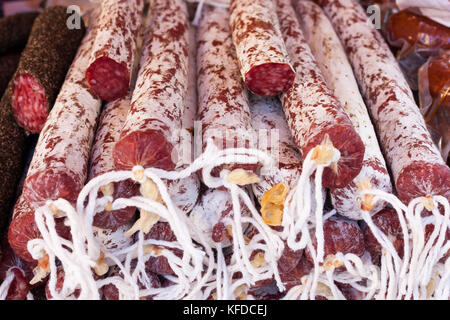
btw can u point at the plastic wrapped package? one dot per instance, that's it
(434, 98)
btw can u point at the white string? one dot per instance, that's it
(4, 287)
(197, 274)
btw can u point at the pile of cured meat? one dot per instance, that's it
(243, 149)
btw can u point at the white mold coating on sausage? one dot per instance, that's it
(223, 101)
(267, 117)
(337, 71)
(118, 27)
(65, 141)
(401, 128)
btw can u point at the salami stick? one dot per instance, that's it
(262, 55)
(43, 65)
(332, 60)
(108, 132)
(150, 134)
(267, 117)
(223, 103)
(269, 121)
(12, 156)
(415, 161)
(114, 49)
(312, 112)
(14, 31)
(59, 166)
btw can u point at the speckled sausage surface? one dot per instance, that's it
(223, 102)
(416, 164)
(43, 65)
(114, 48)
(263, 59)
(59, 167)
(337, 71)
(269, 121)
(108, 133)
(311, 109)
(151, 130)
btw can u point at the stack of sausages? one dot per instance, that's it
(307, 73)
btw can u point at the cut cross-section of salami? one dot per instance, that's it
(59, 166)
(312, 111)
(23, 228)
(151, 130)
(223, 103)
(262, 55)
(14, 31)
(108, 133)
(416, 163)
(114, 48)
(337, 72)
(43, 65)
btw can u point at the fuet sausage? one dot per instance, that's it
(114, 48)
(312, 111)
(223, 102)
(269, 121)
(275, 138)
(150, 134)
(332, 60)
(416, 164)
(59, 166)
(108, 132)
(43, 65)
(262, 55)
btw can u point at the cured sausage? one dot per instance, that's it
(114, 48)
(59, 166)
(60, 162)
(434, 97)
(223, 103)
(150, 136)
(13, 145)
(8, 65)
(275, 138)
(160, 264)
(416, 164)
(312, 111)
(263, 60)
(337, 72)
(22, 273)
(108, 133)
(110, 291)
(14, 31)
(268, 118)
(208, 213)
(388, 222)
(23, 228)
(43, 65)
(408, 31)
(340, 236)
